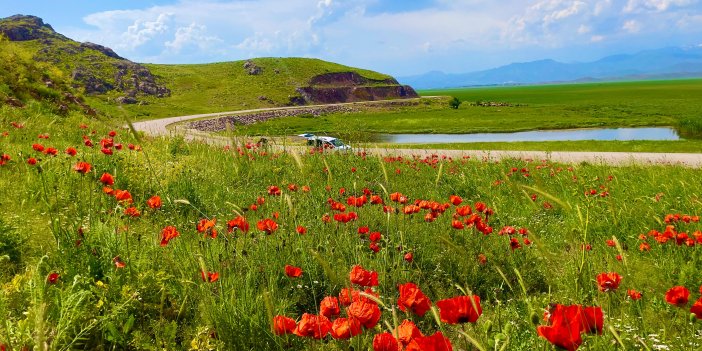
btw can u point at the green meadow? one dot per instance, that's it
(87, 267)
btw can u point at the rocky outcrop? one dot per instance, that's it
(23, 28)
(331, 88)
(96, 68)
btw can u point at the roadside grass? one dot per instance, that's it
(57, 220)
(677, 146)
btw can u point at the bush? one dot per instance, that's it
(454, 103)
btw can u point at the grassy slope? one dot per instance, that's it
(542, 107)
(226, 86)
(159, 298)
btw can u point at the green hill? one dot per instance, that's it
(114, 84)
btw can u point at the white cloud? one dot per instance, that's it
(655, 5)
(632, 26)
(597, 38)
(583, 29)
(142, 31)
(194, 34)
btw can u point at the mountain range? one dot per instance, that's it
(671, 62)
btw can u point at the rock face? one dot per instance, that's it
(96, 68)
(333, 88)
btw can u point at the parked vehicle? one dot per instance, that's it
(325, 142)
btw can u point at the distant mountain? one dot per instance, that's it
(672, 62)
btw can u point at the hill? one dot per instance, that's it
(663, 63)
(108, 80)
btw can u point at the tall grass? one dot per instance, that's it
(159, 300)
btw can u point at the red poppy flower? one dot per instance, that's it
(238, 223)
(697, 308)
(460, 309)
(301, 230)
(71, 151)
(123, 196)
(347, 296)
(132, 212)
(514, 244)
(456, 224)
(31, 161)
(107, 179)
(633, 294)
(154, 202)
(375, 236)
(357, 201)
(210, 278)
(455, 200)
(376, 200)
(106, 151)
(385, 342)
(480, 207)
(677, 295)
(374, 247)
(608, 281)
(409, 257)
(167, 234)
(345, 328)
(267, 225)
(82, 167)
(434, 342)
(53, 278)
(362, 277)
(367, 312)
(274, 190)
(313, 326)
(464, 211)
(207, 226)
(329, 307)
(406, 332)
(292, 271)
(118, 262)
(564, 331)
(283, 325)
(413, 298)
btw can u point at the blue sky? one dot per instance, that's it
(400, 37)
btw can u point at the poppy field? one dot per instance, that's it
(112, 241)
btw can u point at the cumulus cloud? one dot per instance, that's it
(192, 35)
(655, 5)
(632, 26)
(142, 31)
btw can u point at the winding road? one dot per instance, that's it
(172, 126)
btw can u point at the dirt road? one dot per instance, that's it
(172, 126)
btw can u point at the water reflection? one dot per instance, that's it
(658, 133)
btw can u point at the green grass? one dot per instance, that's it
(56, 220)
(686, 146)
(656, 103)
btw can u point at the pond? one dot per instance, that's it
(658, 133)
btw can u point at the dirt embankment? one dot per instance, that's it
(332, 88)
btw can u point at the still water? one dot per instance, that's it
(658, 133)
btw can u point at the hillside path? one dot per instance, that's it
(169, 127)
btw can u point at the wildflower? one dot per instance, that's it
(329, 307)
(375, 236)
(301, 230)
(608, 281)
(207, 226)
(633, 294)
(697, 308)
(436, 342)
(677, 295)
(313, 326)
(345, 328)
(132, 212)
(71, 151)
(123, 196)
(385, 342)
(514, 244)
(367, 312)
(460, 309)
(409, 257)
(167, 234)
(411, 297)
(154, 202)
(107, 179)
(82, 167)
(274, 190)
(31, 161)
(362, 277)
(283, 325)
(455, 200)
(292, 271)
(267, 225)
(53, 278)
(406, 332)
(211, 277)
(564, 331)
(118, 262)
(38, 147)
